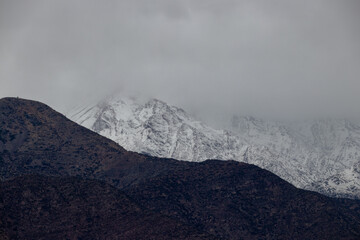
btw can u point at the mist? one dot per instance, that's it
(271, 59)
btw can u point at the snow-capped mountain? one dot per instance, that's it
(322, 155)
(343, 184)
(155, 128)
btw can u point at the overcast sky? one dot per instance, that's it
(264, 58)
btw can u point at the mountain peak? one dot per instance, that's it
(16, 101)
(211, 200)
(300, 152)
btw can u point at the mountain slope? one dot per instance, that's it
(38, 207)
(152, 127)
(303, 153)
(312, 152)
(231, 199)
(36, 139)
(348, 181)
(225, 199)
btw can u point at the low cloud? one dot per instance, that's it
(265, 58)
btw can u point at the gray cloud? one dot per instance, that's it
(266, 58)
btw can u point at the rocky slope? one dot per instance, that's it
(224, 199)
(231, 199)
(36, 139)
(39, 207)
(307, 154)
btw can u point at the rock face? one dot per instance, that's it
(315, 155)
(56, 179)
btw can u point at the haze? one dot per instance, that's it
(276, 58)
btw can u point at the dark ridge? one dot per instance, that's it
(36, 139)
(236, 200)
(225, 199)
(38, 207)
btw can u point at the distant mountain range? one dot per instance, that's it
(60, 180)
(321, 155)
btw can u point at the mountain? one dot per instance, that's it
(39, 207)
(306, 153)
(152, 127)
(34, 139)
(322, 154)
(347, 180)
(240, 201)
(58, 178)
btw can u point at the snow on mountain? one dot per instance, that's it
(306, 152)
(344, 184)
(154, 128)
(322, 155)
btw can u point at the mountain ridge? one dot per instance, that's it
(42, 207)
(224, 199)
(306, 154)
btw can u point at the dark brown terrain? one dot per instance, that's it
(39, 207)
(155, 197)
(232, 199)
(36, 139)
